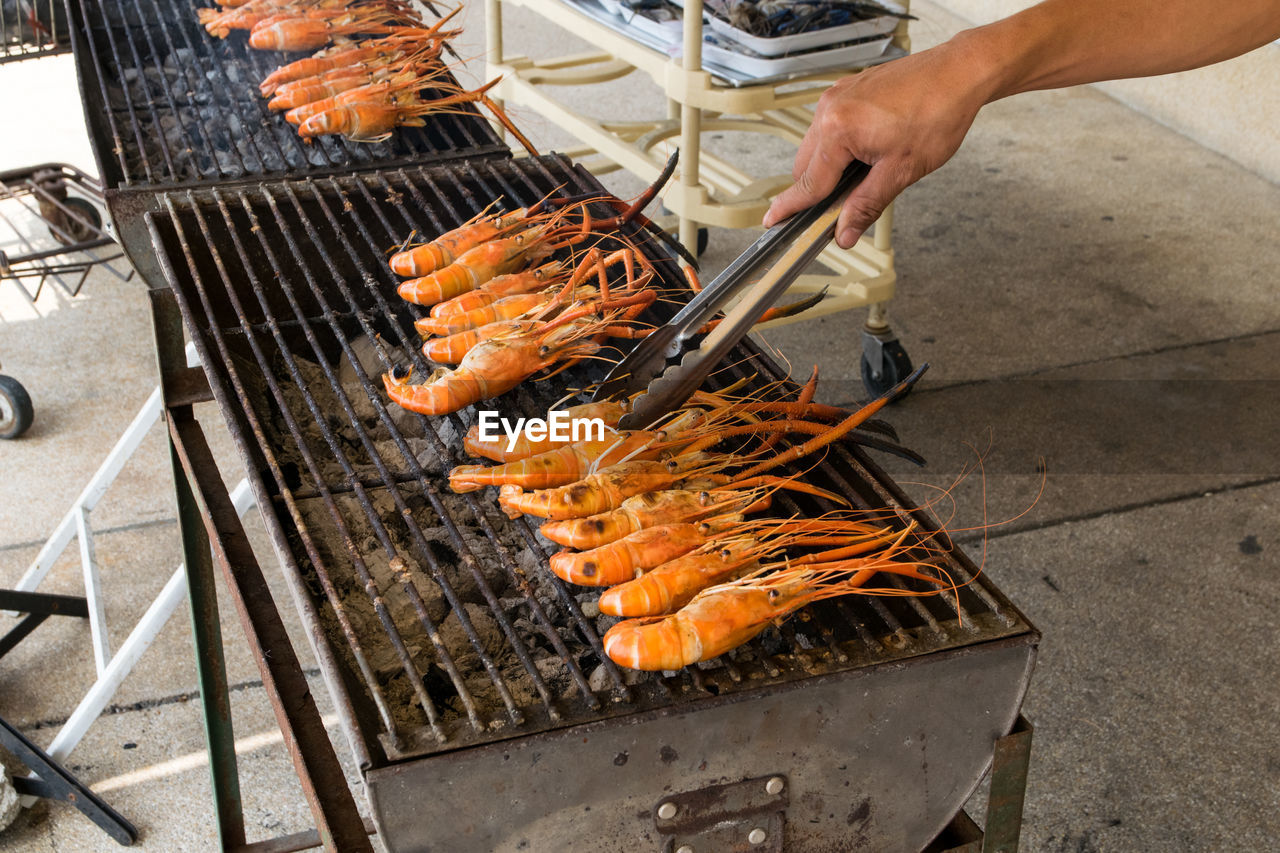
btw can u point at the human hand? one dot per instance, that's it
(904, 119)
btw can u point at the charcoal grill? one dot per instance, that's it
(470, 681)
(169, 106)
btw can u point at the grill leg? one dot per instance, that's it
(1004, 804)
(206, 629)
(53, 782)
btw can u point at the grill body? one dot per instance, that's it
(876, 758)
(464, 672)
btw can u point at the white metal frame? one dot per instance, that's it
(111, 668)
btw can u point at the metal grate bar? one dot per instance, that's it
(148, 98)
(192, 86)
(420, 477)
(133, 122)
(188, 106)
(562, 589)
(437, 573)
(313, 554)
(340, 522)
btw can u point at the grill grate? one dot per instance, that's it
(443, 610)
(171, 105)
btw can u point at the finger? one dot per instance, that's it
(805, 152)
(867, 201)
(818, 179)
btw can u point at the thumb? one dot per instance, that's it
(867, 201)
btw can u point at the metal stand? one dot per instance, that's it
(212, 534)
(1004, 803)
(50, 781)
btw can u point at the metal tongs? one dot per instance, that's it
(769, 265)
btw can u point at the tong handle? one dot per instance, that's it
(807, 237)
(759, 255)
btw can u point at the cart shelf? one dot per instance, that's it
(710, 190)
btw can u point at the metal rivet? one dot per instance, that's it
(757, 836)
(774, 785)
(666, 811)
(684, 848)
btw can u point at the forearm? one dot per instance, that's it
(906, 118)
(1061, 43)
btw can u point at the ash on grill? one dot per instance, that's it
(504, 586)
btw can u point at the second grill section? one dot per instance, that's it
(170, 105)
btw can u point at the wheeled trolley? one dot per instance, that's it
(704, 98)
(51, 229)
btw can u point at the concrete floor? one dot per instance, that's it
(1088, 286)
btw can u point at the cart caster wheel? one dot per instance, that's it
(704, 238)
(895, 366)
(16, 412)
(77, 231)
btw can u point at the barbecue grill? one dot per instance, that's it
(461, 669)
(464, 668)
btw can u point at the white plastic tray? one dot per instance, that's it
(731, 65)
(849, 57)
(669, 33)
(779, 45)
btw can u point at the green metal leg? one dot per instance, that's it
(206, 629)
(1004, 803)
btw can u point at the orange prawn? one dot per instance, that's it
(390, 91)
(491, 368)
(322, 87)
(330, 59)
(397, 42)
(452, 349)
(649, 509)
(375, 122)
(628, 557)
(511, 284)
(634, 554)
(569, 463)
(479, 265)
(245, 16)
(672, 585)
(506, 308)
(425, 258)
(726, 616)
(309, 33)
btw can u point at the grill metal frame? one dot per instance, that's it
(918, 632)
